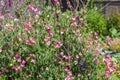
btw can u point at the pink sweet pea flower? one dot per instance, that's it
(17, 56)
(79, 75)
(58, 45)
(32, 42)
(56, 1)
(73, 24)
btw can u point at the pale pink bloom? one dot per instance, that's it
(80, 54)
(77, 56)
(27, 30)
(16, 20)
(58, 45)
(73, 24)
(19, 39)
(68, 78)
(74, 18)
(39, 13)
(23, 62)
(28, 76)
(51, 33)
(28, 25)
(30, 7)
(47, 38)
(69, 73)
(64, 56)
(48, 28)
(31, 55)
(68, 57)
(11, 28)
(48, 43)
(35, 9)
(79, 75)
(47, 69)
(108, 56)
(95, 35)
(26, 41)
(95, 42)
(16, 68)
(36, 16)
(32, 60)
(62, 53)
(0, 50)
(75, 62)
(103, 59)
(19, 60)
(78, 30)
(32, 42)
(10, 15)
(89, 47)
(108, 39)
(66, 69)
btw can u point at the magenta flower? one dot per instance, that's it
(16, 68)
(30, 42)
(108, 39)
(66, 69)
(7, 71)
(22, 64)
(47, 39)
(68, 78)
(32, 8)
(28, 25)
(56, 1)
(62, 54)
(16, 56)
(48, 28)
(26, 41)
(1, 72)
(58, 45)
(1, 16)
(95, 35)
(68, 57)
(8, 2)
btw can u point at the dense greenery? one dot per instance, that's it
(56, 45)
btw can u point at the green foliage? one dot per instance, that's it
(96, 22)
(52, 46)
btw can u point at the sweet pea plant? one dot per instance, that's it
(52, 45)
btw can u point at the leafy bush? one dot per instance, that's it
(51, 45)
